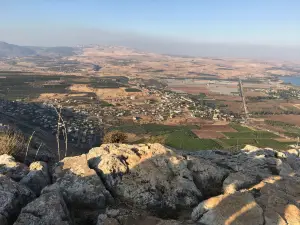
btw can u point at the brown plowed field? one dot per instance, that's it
(213, 131)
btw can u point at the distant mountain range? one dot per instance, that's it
(10, 50)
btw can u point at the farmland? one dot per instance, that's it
(27, 86)
(228, 137)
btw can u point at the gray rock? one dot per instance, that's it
(48, 209)
(13, 196)
(207, 176)
(149, 176)
(239, 208)
(37, 178)
(11, 168)
(112, 212)
(237, 181)
(280, 198)
(103, 219)
(3, 220)
(79, 184)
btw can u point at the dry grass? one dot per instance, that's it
(115, 137)
(12, 142)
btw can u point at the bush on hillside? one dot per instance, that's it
(115, 137)
(12, 142)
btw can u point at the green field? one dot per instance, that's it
(181, 137)
(188, 141)
(290, 129)
(247, 136)
(250, 135)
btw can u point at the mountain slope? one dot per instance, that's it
(10, 50)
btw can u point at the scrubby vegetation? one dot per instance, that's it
(12, 142)
(132, 90)
(115, 137)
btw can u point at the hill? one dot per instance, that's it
(10, 50)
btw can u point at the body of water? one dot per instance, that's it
(293, 80)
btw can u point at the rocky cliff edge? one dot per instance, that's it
(150, 184)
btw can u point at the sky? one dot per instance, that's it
(175, 26)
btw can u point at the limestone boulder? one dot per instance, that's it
(13, 196)
(37, 178)
(239, 208)
(48, 209)
(280, 199)
(80, 185)
(237, 181)
(207, 176)
(149, 176)
(11, 168)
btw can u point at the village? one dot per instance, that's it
(85, 122)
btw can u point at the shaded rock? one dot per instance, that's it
(293, 161)
(207, 176)
(283, 168)
(144, 219)
(259, 162)
(110, 221)
(103, 219)
(112, 212)
(150, 176)
(239, 208)
(48, 209)
(37, 178)
(237, 181)
(80, 185)
(13, 196)
(83, 216)
(273, 218)
(11, 168)
(280, 198)
(3, 220)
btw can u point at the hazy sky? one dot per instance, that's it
(176, 26)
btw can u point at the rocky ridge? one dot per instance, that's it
(150, 184)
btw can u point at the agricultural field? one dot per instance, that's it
(289, 129)
(291, 119)
(206, 137)
(28, 87)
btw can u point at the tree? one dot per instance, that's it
(115, 137)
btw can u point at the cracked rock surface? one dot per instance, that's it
(150, 184)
